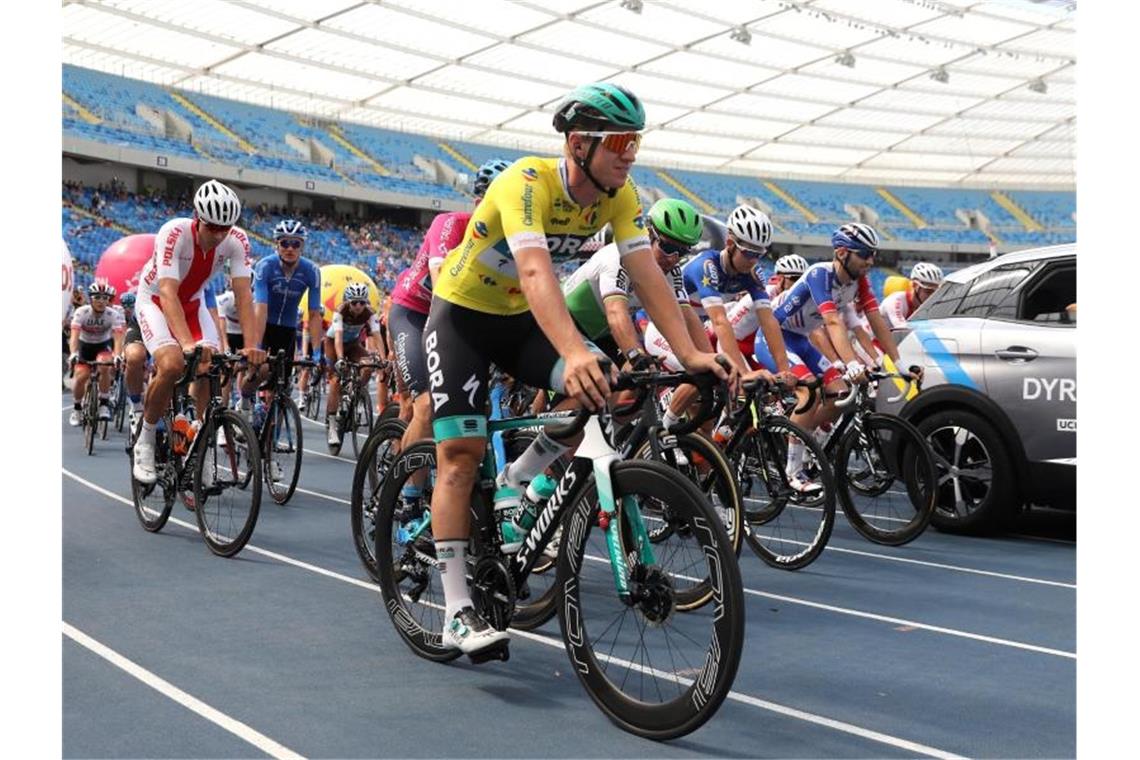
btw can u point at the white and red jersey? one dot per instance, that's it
(67, 277)
(177, 255)
(897, 308)
(94, 327)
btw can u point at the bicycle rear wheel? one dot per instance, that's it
(120, 404)
(282, 449)
(361, 421)
(652, 672)
(887, 480)
(409, 581)
(703, 463)
(368, 477)
(787, 529)
(153, 502)
(227, 482)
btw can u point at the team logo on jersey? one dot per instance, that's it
(480, 231)
(591, 216)
(487, 280)
(639, 221)
(530, 175)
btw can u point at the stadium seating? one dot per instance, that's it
(261, 144)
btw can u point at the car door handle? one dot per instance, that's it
(1016, 353)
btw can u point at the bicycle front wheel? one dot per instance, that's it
(282, 449)
(652, 672)
(90, 414)
(788, 526)
(368, 478)
(361, 424)
(227, 486)
(887, 480)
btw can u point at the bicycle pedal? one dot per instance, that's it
(501, 651)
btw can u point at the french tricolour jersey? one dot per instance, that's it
(800, 309)
(178, 256)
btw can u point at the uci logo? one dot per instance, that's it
(480, 231)
(530, 175)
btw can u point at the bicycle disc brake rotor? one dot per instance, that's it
(652, 593)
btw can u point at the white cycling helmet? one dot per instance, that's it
(926, 274)
(750, 227)
(356, 291)
(101, 287)
(791, 264)
(217, 204)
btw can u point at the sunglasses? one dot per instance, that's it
(290, 243)
(750, 253)
(217, 227)
(100, 298)
(617, 142)
(865, 255)
(669, 248)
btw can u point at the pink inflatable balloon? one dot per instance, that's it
(121, 263)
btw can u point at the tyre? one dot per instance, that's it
(376, 457)
(120, 405)
(283, 449)
(361, 421)
(703, 463)
(392, 411)
(409, 582)
(886, 479)
(651, 671)
(227, 482)
(154, 502)
(786, 528)
(90, 415)
(976, 487)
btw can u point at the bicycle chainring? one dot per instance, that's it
(493, 592)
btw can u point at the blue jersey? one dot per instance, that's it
(210, 298)
(283, 294)
(706, 282)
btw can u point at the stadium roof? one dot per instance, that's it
(923, 91)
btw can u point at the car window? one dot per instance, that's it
(1052, 297)
(943, 303)
(990, 289)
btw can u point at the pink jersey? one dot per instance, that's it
(178, 256)
(413, 286)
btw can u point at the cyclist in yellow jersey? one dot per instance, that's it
(498, 300)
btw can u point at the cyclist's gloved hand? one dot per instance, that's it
(118, 360)
(73, 358)
(340, 365)
(916, 372)
(854, 372)
(641, 362)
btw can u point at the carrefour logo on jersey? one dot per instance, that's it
(530, 175)
(528, 205)
(480, 231)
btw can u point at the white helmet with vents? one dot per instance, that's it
(750, 227)
(215, 203)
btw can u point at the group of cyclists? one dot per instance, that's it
(483, 291)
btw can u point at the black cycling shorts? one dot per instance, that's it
(460, 344)
(280, 338)
(89, 352)
(407, 330)
(236, 341)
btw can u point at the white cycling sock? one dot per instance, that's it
(795, 456)
(669, 420)
(147, 434)
(452, 557)
(541, 453)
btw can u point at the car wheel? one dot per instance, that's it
(975, 474)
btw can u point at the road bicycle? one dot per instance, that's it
(652, 671)
(210, 465)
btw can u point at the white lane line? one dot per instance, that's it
(736, 696)
(320, 495)
(169, 690)
(326, 455)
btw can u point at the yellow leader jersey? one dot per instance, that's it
(528, 206)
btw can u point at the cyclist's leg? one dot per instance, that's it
(105, 355)
(135, 354)
(407, 328)
(333, 398)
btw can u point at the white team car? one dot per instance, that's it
(997, 342)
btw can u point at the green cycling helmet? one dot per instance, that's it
(677, 219)
(600, 107)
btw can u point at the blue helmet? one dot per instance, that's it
(127, 300)
(290, 228)
(486, 173)
(856, 236)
